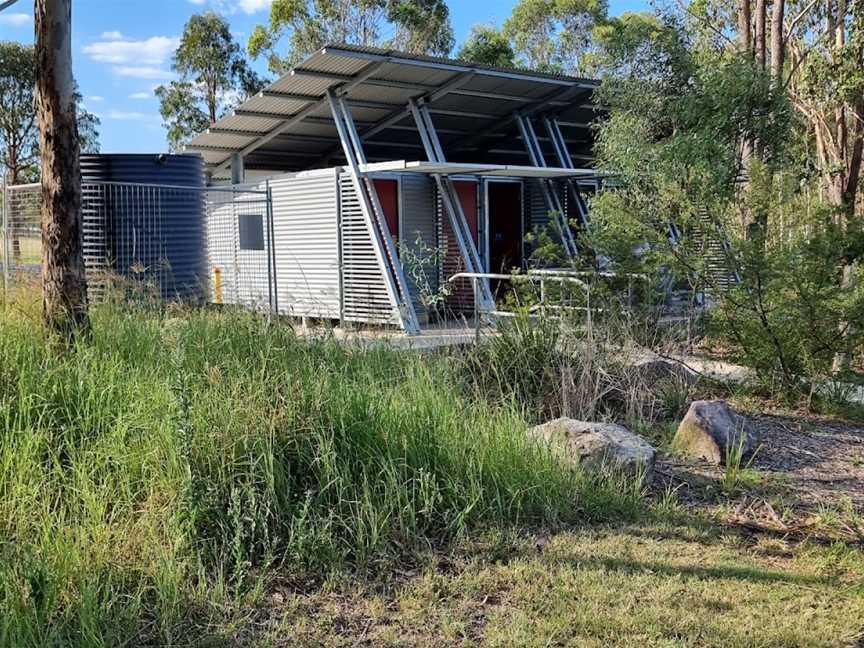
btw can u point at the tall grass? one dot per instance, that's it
(177, 460)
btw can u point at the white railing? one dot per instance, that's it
(541, 278)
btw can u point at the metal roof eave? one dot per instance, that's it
(457, 168)
(271, 113)
(440, 64)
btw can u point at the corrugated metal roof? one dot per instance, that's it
(472, 118)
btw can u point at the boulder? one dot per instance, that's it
(597, 445)
(657, 370)
(711, 431)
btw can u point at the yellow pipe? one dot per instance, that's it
(217, 285)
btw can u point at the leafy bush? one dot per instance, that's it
(792, 316)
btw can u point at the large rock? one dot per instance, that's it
(712, 431)
(659, 370)
(597, 445)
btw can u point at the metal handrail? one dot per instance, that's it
(536, 277)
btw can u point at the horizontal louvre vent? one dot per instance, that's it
(305, 229)
(364, 291)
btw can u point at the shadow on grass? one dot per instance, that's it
(750, 574)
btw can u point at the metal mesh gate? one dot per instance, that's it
(167, 242)
(240, 251)
(21, 236)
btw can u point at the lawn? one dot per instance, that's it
(29, 251)
(645, 584)
(192, 477)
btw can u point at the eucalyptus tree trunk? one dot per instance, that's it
(759, 41)
(778, 42)
(744, 39)
(64, 287)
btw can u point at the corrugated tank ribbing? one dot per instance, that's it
(149, 226)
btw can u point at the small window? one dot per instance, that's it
(251, 232)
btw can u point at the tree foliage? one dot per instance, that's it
(553, 35)
(19, 134)
(214, 76)
(488, 46)
(709, 142)
(299, 27)
(18, 130)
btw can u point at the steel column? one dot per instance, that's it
(566, 161)
(550, 195)
(367, 196)
(450, 199)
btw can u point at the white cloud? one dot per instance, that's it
(95, 98)
(151, 51)
(112, 35)
(131, 115)
(233, 6)
(254, 6)
(141, 95)
(14, 19)
(142, 72)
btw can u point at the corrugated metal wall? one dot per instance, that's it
(245, 278)
(537, 212)
(364, 291)
(419, 238)
(306, 236)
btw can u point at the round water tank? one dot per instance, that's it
(143, 219)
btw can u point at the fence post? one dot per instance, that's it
(542, 296)
(271, 253)
(5, 251)
(475, 287)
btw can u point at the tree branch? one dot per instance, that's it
(794, 22)
(7, 4)
(683, 6)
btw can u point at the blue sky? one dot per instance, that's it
(122, 50)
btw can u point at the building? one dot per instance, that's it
(390, 173)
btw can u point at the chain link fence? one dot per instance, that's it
(154, 241)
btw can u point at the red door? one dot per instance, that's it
(461, 299)
(388, 197)
(467, 192)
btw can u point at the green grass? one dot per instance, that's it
(29, 250)
(204, 478)
(176, 463)
(651, 584)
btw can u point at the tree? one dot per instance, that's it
(64, 286)
(88, 128)
(553, 35)
(488, 46)
(635, 46)
(420, 26)
(18, 129)
(19, 133)
(826, 84)
(214, 76)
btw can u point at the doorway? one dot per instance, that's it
(504, 227)
(504, 213)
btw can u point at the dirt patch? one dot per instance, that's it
(808, 472)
